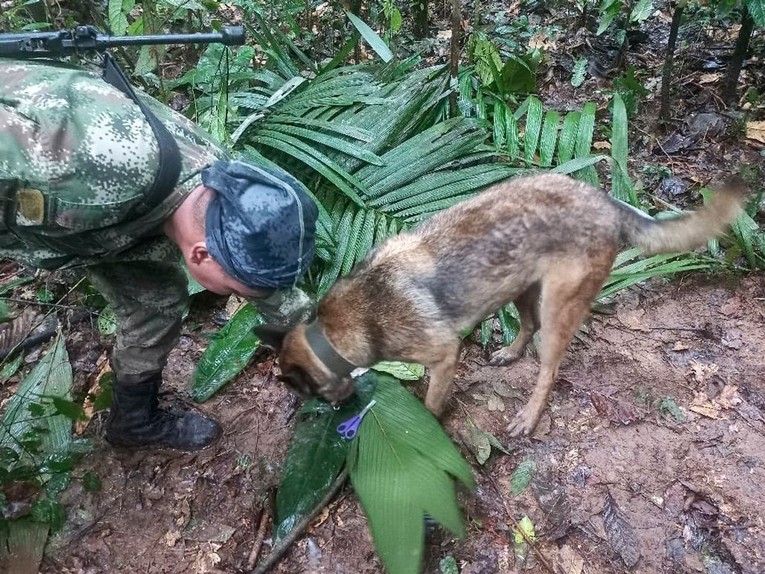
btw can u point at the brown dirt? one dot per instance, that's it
(690, 491)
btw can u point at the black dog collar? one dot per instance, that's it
(326, 353)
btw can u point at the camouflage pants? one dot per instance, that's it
(149, 298)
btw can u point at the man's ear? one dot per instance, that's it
(271, 335)
(198, 253)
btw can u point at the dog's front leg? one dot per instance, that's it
(442, 373)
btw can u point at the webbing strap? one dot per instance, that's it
(169, 155)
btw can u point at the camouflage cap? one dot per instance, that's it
(260, 224)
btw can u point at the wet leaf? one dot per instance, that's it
(227, 354)
(51, 377)
(402, 466)
(57, 484)
(400, 370)
(448, 565)
(619, 533)
(521, 476)
(316, 456)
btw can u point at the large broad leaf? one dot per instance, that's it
(227, 354)
(50, 379)
(402, 466)
(316, 455)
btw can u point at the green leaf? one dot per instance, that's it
(401, 466)
(10, 368)
(103, 400)
(533, 128)
(227, 354)
(51, 377)
(522, 476)
(5, 311)
(49, 511)
(548, 138)
(524, 530)
(622, 188)
(579, 73)
(107, 321)
(567, 139)
(91, 482)
(584, 142)
(400, 370)
(57, 483)
(371, 37)
(756, 11)
(69, 409)
(641, 11)
(117, 16)
(448, 565)
(667, 405)
(316, 455)
(44, 295)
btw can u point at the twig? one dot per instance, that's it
(38, 303)
(278, 551)
(253, 557)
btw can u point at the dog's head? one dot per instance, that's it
(302, 371)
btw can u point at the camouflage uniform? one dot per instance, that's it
(76, 155)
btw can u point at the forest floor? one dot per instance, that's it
(650, 457)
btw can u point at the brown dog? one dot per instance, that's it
(545, 242)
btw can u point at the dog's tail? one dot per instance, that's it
(689, 230)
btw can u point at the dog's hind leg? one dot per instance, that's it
(566, 297)
(528, 312)
(442, 371)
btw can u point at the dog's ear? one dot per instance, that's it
(271, 336)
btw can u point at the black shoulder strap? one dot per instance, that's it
(169, 155)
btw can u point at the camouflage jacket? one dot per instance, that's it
(76, 156)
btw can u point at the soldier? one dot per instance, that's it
(77, 158)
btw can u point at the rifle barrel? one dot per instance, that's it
(229, 36)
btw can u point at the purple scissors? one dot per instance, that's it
(349, 428)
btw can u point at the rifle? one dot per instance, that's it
(90, 38)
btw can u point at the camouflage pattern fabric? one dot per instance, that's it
(76, 155)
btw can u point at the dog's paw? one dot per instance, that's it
(523, 424)
(504, 356)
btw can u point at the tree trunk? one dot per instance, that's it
(455, 55)
(420, 17)
(738, 56)
(669, 60)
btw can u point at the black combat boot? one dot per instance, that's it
(136, 420)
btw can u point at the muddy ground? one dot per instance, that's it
(610, 445)
(649, 459)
